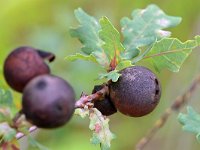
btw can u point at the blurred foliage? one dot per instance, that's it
(190, 121)
(45, 24)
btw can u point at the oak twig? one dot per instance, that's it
(20, 135)
(176, 105)
(84, 100)
(19, 117)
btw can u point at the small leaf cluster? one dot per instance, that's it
(144, 37)
(8, 130)
(99, 125)
(190, 121)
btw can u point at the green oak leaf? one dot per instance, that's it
(102, 58)
(6, 102)
(124, 64)
(82, 112)
(112, 75)
(87, 32)
(111, 37)
(79, 56)
(198, 39)
(5, 115)
(5, 98)
(141, 56)
(170, 53)
(145, 28)
(190, 121)
(7, 132)
(100, 127)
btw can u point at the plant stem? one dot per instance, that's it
(16, 118)
(176, 105)
(20, 135)
(86, 99)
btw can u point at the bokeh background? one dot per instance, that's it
(45, 24)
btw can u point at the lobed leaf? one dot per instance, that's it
(112, 75)
(102, 58)
(6, 104)
(111, 37)
(100, 127)
(6, 98)
(170, 53)
(124, 64)
(79, 56)
(5, 115)
(87, 32)
(7, 132)
(190, 121)
(197, 38)
(145, 28)
(82, 112)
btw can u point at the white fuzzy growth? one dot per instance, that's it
(163, 33)
(163, 22)
(96, 23)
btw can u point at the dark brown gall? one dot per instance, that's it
(48, 101)
(137, 92)
(23, 64)
(105, 106)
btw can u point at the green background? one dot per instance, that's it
(45, 24)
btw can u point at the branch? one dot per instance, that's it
(84, 100)
(178, 103)
(20, 135)
(88, 99)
